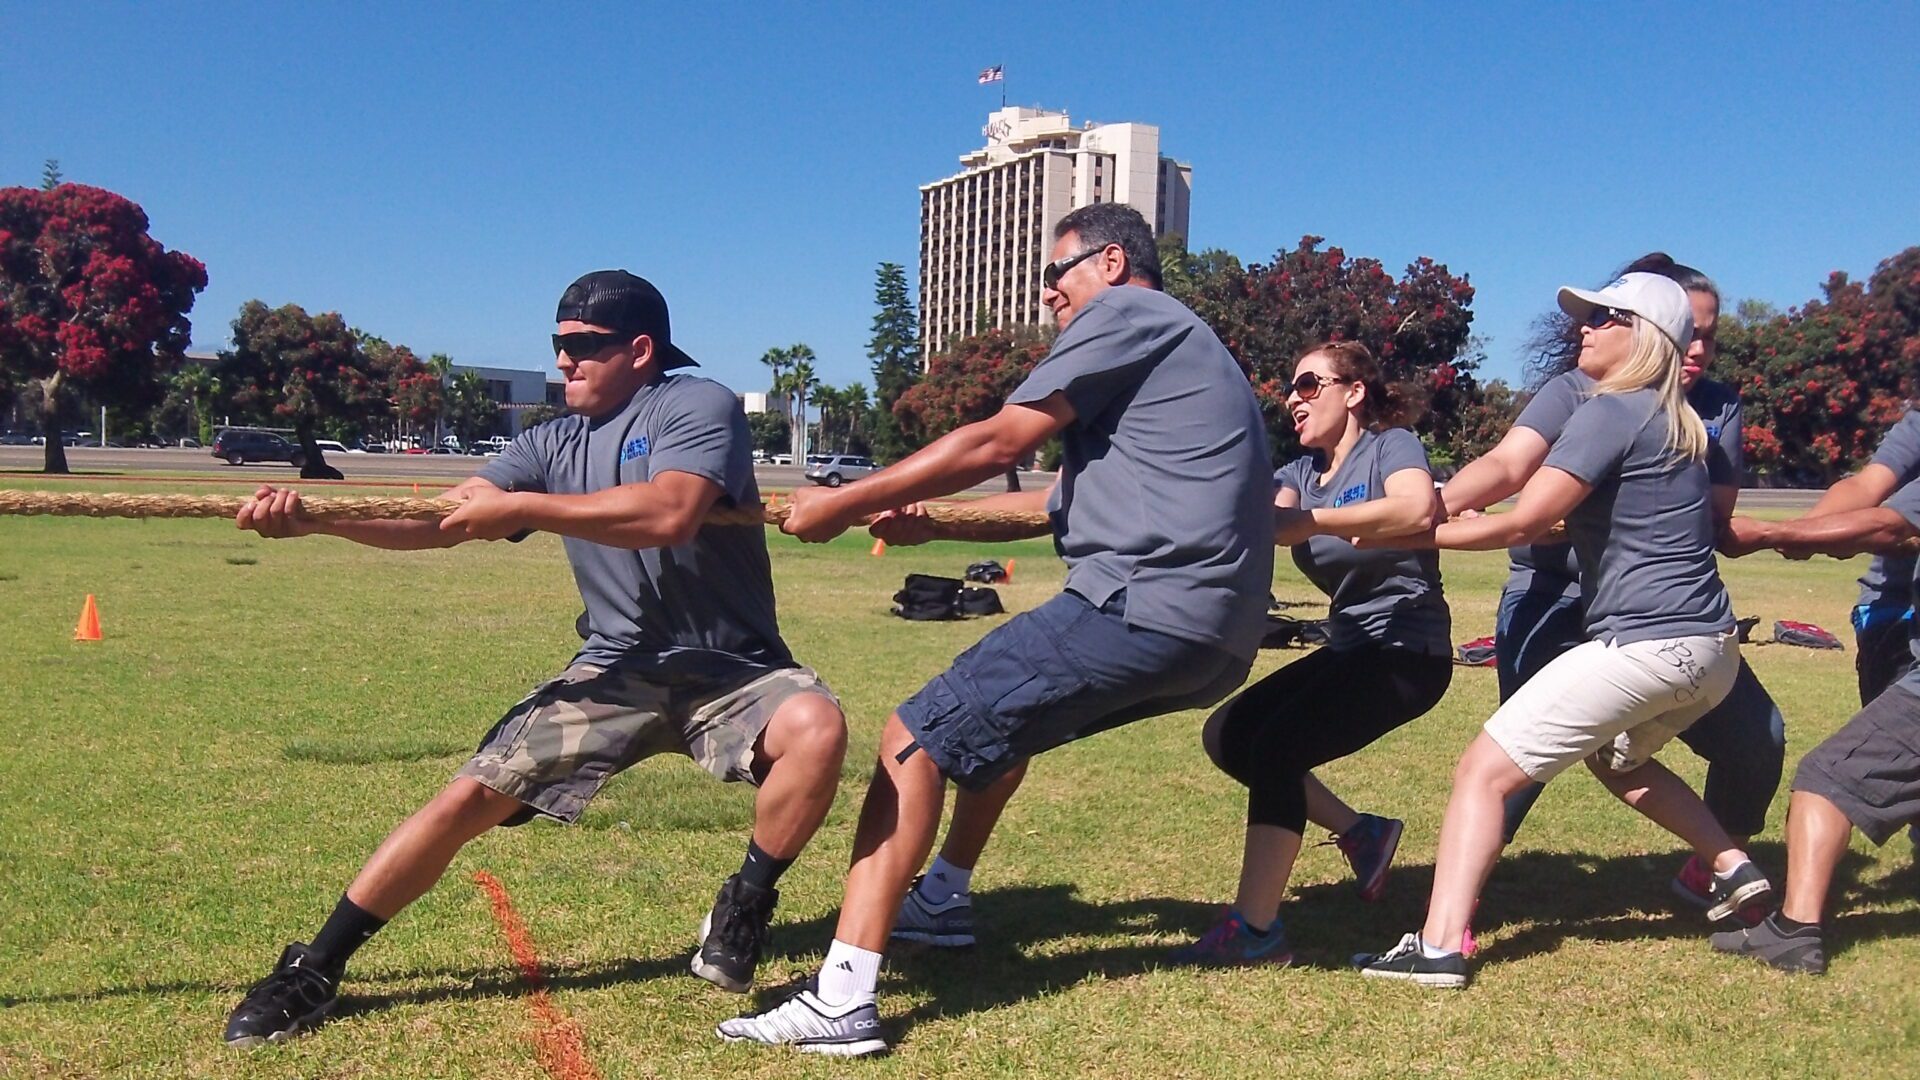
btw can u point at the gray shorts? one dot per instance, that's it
(1870, 768)
(555, 749)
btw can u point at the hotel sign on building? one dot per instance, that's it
(985, 231)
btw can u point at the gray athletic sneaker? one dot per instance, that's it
(811, 1026)
(1743, 885)
(1800, 951)
(947, 924)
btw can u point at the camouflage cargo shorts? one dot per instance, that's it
(555, 749)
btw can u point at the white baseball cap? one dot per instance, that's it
(1654, 297)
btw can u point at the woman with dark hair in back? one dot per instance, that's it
(1388, 656)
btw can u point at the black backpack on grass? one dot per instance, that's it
(979, 602)
(927, 598)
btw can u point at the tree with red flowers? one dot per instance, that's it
(1418, 325)
(1822, 383)
(969, 382)
(89, 302)
(299, 370)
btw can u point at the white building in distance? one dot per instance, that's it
(985, 231)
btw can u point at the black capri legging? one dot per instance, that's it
(1320, 708)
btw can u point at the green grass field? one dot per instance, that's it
(180, 800)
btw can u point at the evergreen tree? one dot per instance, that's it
(895, 352)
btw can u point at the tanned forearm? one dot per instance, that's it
(390, 535)
(956, 461)
(1856, 492)
(1378, 519)
(1876, 529)
(630, 516)
(1482, 482)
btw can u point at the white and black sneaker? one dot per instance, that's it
(947, 924)
(1409, 961)
(735, 934)
(812, 1026)
(293, 1000)
(1741, 887)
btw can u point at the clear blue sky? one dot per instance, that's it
(438, 173)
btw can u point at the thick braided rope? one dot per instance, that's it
(950, 522)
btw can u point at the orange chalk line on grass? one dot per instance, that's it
(557, 1040)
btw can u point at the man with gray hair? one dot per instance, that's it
(1163, 513)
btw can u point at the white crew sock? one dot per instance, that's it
(1432, 952)
(943, 879)
(848, 974)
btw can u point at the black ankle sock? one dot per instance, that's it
(760, 869)
(346, 929)
(1788, 926)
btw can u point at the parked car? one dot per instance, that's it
(491, 446)
(189, 444)
(780, 459)
(836, 469)
(16, 438)
(373, 446)
(329, 446)
(239, 446)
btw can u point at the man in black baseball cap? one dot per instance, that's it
(615, 300)
(682, 652)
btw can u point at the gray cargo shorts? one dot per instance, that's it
(555, 749)
(1870, 768)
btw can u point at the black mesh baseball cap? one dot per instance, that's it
(626, 302)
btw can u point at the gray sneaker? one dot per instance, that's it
(947, 924)
(1744, 885)
(811, 1026)
(1800, 951)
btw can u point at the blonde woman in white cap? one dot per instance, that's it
(1628, 474)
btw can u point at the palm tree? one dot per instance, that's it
(196, 383)
(854, 402)
(802, 381)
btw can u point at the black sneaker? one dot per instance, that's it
(1744, 885)
(734, 935)
(291, 1001)
(1407, 961)
(1800, 951)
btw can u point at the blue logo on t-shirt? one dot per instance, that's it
(1356, 493)
(1713, 431)
(636, 448)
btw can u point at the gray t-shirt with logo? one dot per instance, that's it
(1719, 407)
(1644, 535)
(700, 612)
(1377, 595)
(1165, 490)
(1888, 582)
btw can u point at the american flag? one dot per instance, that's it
(996, 73)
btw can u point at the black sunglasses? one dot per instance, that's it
(1306, 385)
(1054, 271)
(586, 344)
(1602, 317)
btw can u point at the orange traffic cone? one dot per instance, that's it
(416, 489)
(1009, 571)
(879, 547)
(89, 628)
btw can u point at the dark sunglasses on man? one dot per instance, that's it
(1057, 269)
(586, 344)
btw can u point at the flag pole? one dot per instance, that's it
(1003, 96)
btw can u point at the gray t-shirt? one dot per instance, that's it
(1549, 568)
(1552, 567)
(1907, 502)
(1888, 582)
(1377, 595)
(1644, 535)
(1165, 490)
(1719, 407)
(700, 612)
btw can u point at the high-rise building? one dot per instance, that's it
(985, 231)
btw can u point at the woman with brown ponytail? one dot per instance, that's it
(1388, 656)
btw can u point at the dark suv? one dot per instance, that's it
(239, 446)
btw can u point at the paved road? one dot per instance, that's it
(421, 468)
